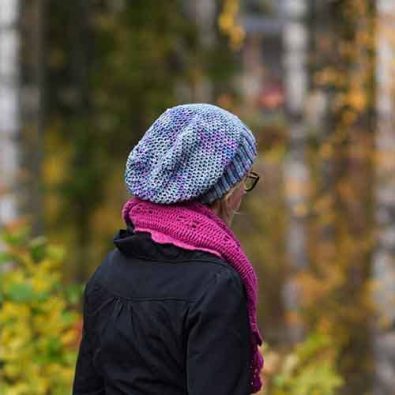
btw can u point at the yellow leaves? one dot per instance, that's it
(11, 311)
(365, 39)
(315, 288)
(346, 49)
(58, 153)
(293, 318)
(323, 207)
(355, 99)
(37, 384)
(19, 389)
(326, 151)
(325, 325)
(346, 190)
(46, 276)
(276, 154)
(349, 72)
(47, 324)
(15, 342)
(290, 363)
(306, 369)
(56, 163)
(53, 169)
(227, 23)
(69, 337)
(272, 361)
(38, 330)
(12, 370)
(329, 76)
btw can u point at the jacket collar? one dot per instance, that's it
(141, 245)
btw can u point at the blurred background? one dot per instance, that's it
(82, 80)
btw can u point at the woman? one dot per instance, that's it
(172, 308)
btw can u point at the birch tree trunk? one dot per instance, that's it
(203, 13)
(384, 254)
(9, 110)
(296, 173)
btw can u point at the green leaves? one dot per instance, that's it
(20, 292)
(38, 248)
(309, 369)
(5, 257)
(16, 236)
(38, 317)
(73, 293)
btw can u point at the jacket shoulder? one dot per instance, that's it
(186, 279)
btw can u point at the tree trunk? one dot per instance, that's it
(9, 110)
(32, 111)
(296, 172)
(384, 254)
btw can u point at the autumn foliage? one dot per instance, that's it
(40, 325)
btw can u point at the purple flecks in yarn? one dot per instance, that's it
(184, 154)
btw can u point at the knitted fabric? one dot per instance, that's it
(191, 151)
(162, 238)
(195, 224)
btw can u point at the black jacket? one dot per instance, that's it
(163, 320)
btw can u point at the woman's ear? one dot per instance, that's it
(227, 202)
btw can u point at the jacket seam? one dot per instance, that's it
(137, 298)
(220, 262)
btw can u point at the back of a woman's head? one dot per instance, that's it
(192, 151)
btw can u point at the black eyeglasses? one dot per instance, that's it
(250, 181)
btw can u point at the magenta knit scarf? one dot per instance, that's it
(194, 223)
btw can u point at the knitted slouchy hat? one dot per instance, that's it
(192, 151)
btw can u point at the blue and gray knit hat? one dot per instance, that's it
(192, 151)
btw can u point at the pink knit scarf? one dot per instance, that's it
(197, 225)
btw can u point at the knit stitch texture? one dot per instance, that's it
(192, 151)
(163, 238)
(197, 225)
